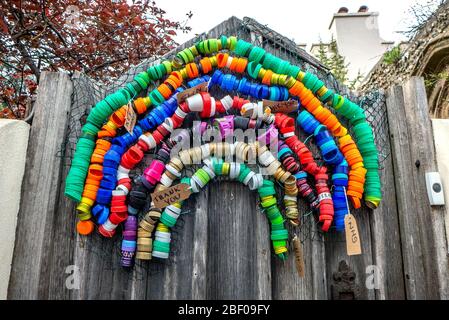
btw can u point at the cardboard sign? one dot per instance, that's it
(130, 118)
(182, 96)
(299, 256)
(281, 106)
(171, 195)
(353, 246)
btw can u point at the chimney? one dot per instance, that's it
(363, 9)
(358, 39)
(343, 10)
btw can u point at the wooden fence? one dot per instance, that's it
(222, 249)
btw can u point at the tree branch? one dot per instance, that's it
(29, 61)
(104, 65)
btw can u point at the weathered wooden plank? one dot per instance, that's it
(176, 279)
(430, 219)
(102, 276)
(318, 264)
(263, 249)
(422, 227)
(336, 252)
(286, 282)
(61, 258)
(238, 267)
(415, 282)
(223, 249)
(61, 266)
(386, 241)
(200, 246)
(34, 237)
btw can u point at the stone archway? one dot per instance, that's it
(434, 67)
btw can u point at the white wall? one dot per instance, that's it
(13, 147)
(358, 40)
(441, 136)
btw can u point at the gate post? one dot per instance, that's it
(40, 187)
(421, 225)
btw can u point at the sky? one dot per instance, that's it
(301, 21)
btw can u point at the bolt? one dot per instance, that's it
(417, 163)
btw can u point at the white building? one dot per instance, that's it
(358, 40)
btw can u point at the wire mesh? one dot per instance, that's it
(375, 106)
(87, 92)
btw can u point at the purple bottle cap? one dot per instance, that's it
(127, 258)
(129, 235)
(131, 221)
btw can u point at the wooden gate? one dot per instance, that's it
(222, 248)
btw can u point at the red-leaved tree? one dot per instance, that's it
(100, 38)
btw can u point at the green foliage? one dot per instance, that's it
(337, 63)
(431, 79)
(353, 83)
(323, 55)
(332, 59)
(393, 56)
(100, 38)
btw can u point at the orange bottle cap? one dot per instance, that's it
(85, 227)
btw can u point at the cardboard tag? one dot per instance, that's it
(288, 106)
(130, 118)
(166, 197)
(182, 96)
(353, 246)
(299, 256)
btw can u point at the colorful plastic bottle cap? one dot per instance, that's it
(85, 227)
